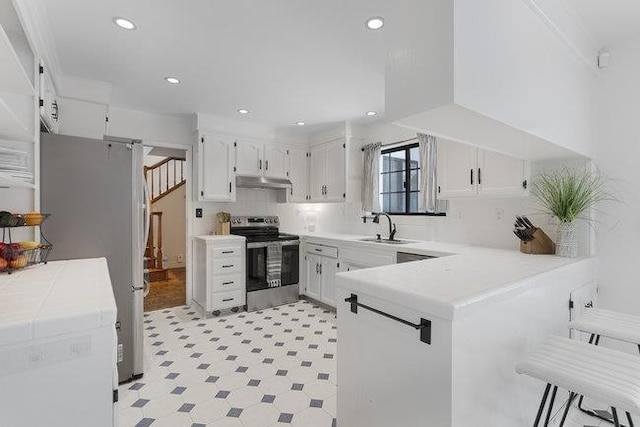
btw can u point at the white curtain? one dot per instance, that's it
(371, 178)
(428, 184)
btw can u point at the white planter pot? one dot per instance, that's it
(566, 242)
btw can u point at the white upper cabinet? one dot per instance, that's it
(500, 175)
(249, 157)
(48, 100)
(298, 169)
(275, 161)
(456, 166)
(335, 190)
(467, 171)
(216, 177)
(256, 158)
(327, 172)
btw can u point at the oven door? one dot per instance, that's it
(256, 266)
(290, 262)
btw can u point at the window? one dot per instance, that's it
(400, 180)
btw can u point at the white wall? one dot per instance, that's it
(617, 155)
(172, 207)
(512, 65)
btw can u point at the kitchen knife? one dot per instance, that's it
(529, 223)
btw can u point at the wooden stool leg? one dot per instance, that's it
(629, 420)
(572, 396)
(542, 402)
(551, 402)
(616, 422)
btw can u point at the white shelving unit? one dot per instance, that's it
(13, 77)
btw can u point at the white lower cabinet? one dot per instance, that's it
(321, 265)
(219, 272)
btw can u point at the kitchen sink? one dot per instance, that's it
(387, 241)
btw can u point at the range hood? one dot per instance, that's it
(262, 182)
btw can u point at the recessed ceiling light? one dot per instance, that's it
(300, 123)
(371, 113)
(124, 23)
(172, 80)
(243, 111)
(375, 23)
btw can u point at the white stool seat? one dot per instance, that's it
(609, 376)
(623, 327)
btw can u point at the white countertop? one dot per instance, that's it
(55, 298)
(450, 286)
(230, 237)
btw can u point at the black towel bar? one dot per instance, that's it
(424, 326)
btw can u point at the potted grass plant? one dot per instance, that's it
(567, 194)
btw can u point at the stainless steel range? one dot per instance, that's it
(272, 261)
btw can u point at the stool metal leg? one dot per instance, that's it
(629, 419)
(616, 422)
(542, 402)
(572, 396)
(551, 402)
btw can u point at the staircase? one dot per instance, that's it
(162, 179)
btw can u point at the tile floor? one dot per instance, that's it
(275, 367)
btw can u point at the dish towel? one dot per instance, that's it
(274, 264)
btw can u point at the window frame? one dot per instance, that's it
(407, 189)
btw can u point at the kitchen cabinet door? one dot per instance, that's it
(499, 174)
(335, 174)
(457, 175)
(215, 174)
(275, 161)
(249, 157)
(312, 276)
(328, 270)
(298, 174)
(317, 173)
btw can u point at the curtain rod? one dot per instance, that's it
(397, 142)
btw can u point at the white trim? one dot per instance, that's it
(590, 63)
(188, 209)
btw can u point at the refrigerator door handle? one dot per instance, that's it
(147, 213)
(137, 288)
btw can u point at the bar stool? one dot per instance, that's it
(609, 376)
(610, 324)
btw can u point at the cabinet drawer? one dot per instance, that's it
(232, 251)
(328, 251)
(222, 300)
(227, 266)
(227, 283)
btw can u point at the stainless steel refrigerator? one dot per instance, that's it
(93, 190)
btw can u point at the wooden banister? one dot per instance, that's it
(157, 170)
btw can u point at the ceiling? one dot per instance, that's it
(284, 60)
(610, 21)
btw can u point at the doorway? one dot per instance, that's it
(165, 172)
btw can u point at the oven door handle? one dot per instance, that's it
(258, 245)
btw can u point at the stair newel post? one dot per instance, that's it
(159, 254)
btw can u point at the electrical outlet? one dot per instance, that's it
(120, 353)
(499, 214)
(198, 212)
(180, 257)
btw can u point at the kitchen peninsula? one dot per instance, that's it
(483, 310)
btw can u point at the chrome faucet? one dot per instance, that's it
(376, 219)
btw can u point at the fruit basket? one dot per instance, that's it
(18, 255)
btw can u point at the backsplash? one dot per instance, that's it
(484, 222)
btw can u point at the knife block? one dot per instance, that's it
(540, 245)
